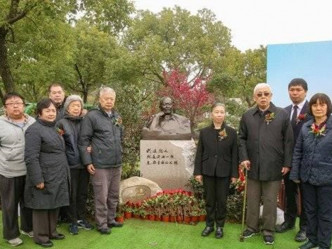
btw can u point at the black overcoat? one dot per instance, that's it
(46, 162)
(268, 145)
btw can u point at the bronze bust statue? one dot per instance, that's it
(167, 125)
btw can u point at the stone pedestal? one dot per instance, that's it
(169, 163)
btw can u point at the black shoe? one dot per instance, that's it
(59, 236)
(301, 236)
(104, 231)
(308, 245)
(268, 239)
(284, 227)
(219, 233)
(248, 233)
(115, 224)
(45, 244)
(73, 229)
(207, 231)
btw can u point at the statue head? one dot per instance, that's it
(166, 105)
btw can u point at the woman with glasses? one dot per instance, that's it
(13, 169)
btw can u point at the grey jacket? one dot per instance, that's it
(104, 134)
(267, 144)
(46, 162)
(12, 144)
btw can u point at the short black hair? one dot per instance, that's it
(322, 98)
(298, 82)
(43, 104)
(53, 85)
(11, 95)
(217, 104)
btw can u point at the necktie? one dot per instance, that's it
(294, 116)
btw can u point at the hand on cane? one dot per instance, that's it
(246, 164)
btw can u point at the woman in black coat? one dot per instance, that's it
(47, 183)
(216, 164)
(79, 176)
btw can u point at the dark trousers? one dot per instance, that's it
(292, 192)
(44, 224)
(318, 208)
(79, 194)
(106, 184)
(216, 191)
(12, 193)
(266, 191)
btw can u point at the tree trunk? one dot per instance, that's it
(85, 88)
(5, 72)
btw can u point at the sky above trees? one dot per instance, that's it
(262, 22)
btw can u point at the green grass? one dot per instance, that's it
(141, 234)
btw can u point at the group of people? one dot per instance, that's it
(293, 144)
(46, 163)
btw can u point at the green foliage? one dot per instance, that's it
(111, 16)
(129, 170)
(196, 187)
(176, 39)
(234, 207)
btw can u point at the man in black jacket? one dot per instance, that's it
(266, 144)
(297, 112)
(56, 93)
(102, 129)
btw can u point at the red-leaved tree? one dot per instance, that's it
(189, 96)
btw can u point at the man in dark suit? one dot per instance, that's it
(297, 90)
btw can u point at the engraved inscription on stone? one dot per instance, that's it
(135, 193)
(169, 163)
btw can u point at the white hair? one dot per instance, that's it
(106, 89)
(262, 85)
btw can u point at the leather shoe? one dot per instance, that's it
(219, 233)
(45, 244)
(301, 236)
(114, 224)
(59, 236)
(207, 231)
(104, 231)
(284, 227)
(308, 245)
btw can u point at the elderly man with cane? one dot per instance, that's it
(266, 144)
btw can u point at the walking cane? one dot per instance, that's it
(244, 204)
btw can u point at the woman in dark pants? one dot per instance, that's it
(71, 126)
(216, 164)
(47, 183)
(312, 166)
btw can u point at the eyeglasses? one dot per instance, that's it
(13, 104)
(261, 94)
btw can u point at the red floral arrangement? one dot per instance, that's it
(60, 131)
(222, 134)
(318, 131)
(240, 182)
(301, 117)
(269, 117)
(117, 121)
